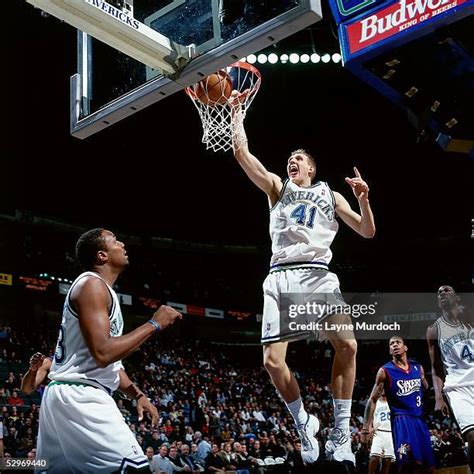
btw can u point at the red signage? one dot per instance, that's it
(35, 283)
(195, 310)
(152, 303)
(239, 314)
(398, 17)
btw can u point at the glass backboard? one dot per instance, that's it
(110, 85)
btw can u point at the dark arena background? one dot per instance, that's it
(196, 232)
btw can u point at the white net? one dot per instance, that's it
(221, 114)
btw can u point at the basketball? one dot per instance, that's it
(214, 89)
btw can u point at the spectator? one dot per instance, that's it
(152, 459)
(15, 399)
(162, 461)
(189, 460)
(203, 447)
(294, 457)
(178, 464)
(214, 462)
(227, 459)
(3, 396)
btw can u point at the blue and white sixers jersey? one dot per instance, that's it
(404, 389)
(303, 225)
(73, 361)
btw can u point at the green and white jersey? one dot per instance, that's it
(73, 361)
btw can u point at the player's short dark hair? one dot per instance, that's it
(87, 246)
(396, 336)
(302, 151)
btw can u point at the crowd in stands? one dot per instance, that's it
(218, 408)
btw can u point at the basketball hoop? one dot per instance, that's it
(217, 115)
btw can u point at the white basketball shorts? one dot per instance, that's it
(81, 430)
(295, 287)
(382, 445)
(461, 400)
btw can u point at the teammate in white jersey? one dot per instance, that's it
(451, 347)
(381, 450)
(81, 429)
(302, 228)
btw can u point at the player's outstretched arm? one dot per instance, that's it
(268, 182)
(362, 223)
(37, 372)
(437, 369)
(91, 299)
(128, 388)
(370, 407)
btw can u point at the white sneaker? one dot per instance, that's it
(309, 443)
(338, 446)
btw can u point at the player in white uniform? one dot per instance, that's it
(81, 429)
(382, 443)
(451, 347)
(302, 228)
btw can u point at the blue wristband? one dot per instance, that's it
(154, 323)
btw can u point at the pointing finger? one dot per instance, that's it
(356, 171)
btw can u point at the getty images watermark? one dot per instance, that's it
(322, 311)
(363, 315)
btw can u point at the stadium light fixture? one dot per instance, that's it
(294, 58)
(251, 59)
(272, 58)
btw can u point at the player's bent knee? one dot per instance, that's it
(347, 348)
(273, 364)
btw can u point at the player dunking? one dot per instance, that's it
(81, 429)
(302, 228)
(451, 347)
(403, 381)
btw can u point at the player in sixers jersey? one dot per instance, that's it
(303, 225)
(404, 382)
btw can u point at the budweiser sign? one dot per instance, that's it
(398, 17)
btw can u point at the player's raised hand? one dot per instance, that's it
(236, 100)
(36, 360)
(166, 315)
(358, 185)
(145, 406)
(440, 405)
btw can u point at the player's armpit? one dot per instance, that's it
(268, 182)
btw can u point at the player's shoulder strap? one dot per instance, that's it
(80, 277)
(325, 185)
